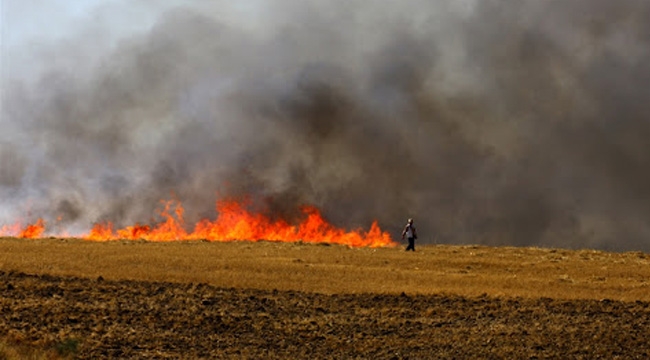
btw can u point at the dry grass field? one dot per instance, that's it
(132, 299)
(458, 270)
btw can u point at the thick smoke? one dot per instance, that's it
(494, 122)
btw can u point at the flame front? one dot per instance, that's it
(235, 222)
(30, 231)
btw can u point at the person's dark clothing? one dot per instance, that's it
(411, 244)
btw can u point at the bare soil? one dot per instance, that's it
(157, 320)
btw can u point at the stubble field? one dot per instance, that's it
(126, 299)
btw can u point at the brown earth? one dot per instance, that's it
(137, 319)
(72, 298)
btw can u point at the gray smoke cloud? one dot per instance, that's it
(495, 122)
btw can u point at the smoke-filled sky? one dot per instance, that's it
(495, 122)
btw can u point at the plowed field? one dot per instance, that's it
(115, 317)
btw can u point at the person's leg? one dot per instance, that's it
(411, 244)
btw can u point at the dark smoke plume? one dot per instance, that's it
(493, 122)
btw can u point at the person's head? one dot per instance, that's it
(410, 221)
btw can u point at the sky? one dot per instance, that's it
(30, 26)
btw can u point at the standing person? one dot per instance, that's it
(411, 234)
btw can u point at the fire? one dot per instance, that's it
(31, 231)
(235, 222)
(10, 230)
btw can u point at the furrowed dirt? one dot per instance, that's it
(132, 319)
(268, 300)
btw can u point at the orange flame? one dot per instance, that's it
(234, 222)
(33, 231)
(10, 230)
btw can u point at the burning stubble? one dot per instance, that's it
(495, 122)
